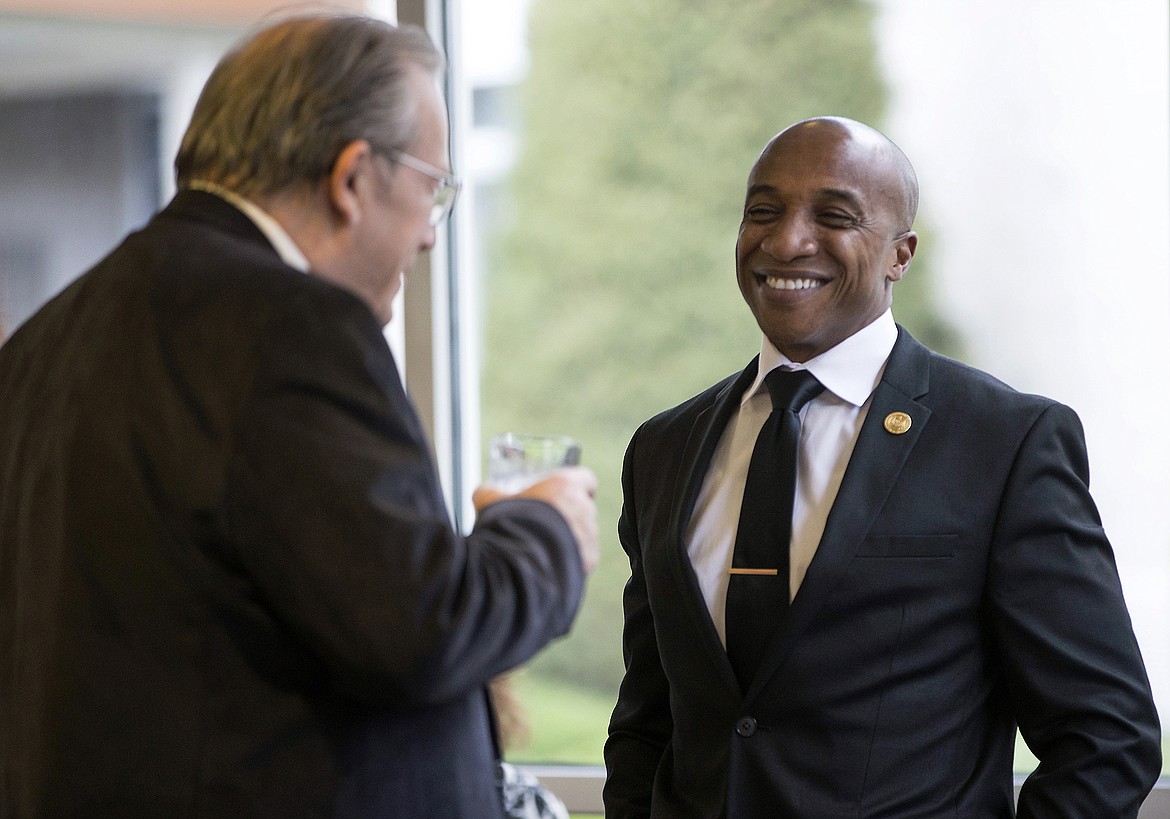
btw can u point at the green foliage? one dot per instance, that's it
(611, 291)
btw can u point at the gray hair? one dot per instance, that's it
(279, 108)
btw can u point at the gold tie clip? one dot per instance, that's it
(753, 571)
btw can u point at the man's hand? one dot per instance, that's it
(570, 491)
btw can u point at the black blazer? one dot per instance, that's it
(229, 586)
(963, 586)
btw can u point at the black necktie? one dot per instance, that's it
(757, 590)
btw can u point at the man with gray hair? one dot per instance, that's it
(229, 585)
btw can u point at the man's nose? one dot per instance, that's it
(428, 240)
(791, 237)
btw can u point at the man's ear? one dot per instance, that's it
(904, 247)
(347, 177)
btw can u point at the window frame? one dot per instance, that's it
(437, 347)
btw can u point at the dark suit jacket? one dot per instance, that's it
(228, 582)
(963, 586)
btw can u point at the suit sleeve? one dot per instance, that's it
(339, 526)
(641, 726)
(1078, 685)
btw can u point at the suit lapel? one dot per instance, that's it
(700, 444)
(210, 209)
(877, 460)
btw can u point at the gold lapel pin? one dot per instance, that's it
(897, 423)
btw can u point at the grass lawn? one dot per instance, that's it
(568, 723)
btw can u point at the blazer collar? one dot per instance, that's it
(212, 210)
(700, 446)
(908, 370)
(906, 374)
(876, 462)
(704, 435)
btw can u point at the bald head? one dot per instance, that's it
(890, 173)
(826, 232)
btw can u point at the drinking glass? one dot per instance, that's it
(517, 460)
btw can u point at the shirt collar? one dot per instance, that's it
(851, 370)
(282, 243)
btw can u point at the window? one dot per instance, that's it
(604, 202)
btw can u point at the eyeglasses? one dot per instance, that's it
(445, 192)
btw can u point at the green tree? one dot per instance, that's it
(611, 291)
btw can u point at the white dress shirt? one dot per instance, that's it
(830, 424)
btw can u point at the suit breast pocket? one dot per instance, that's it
(922, 547)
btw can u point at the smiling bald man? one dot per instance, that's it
(938, 576)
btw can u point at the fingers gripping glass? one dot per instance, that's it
(446, 190)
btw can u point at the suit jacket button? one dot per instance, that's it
(746, 726)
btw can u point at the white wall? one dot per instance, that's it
(1040, 130)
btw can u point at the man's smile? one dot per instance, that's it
(785, 283)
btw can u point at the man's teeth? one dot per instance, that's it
(792, 284)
